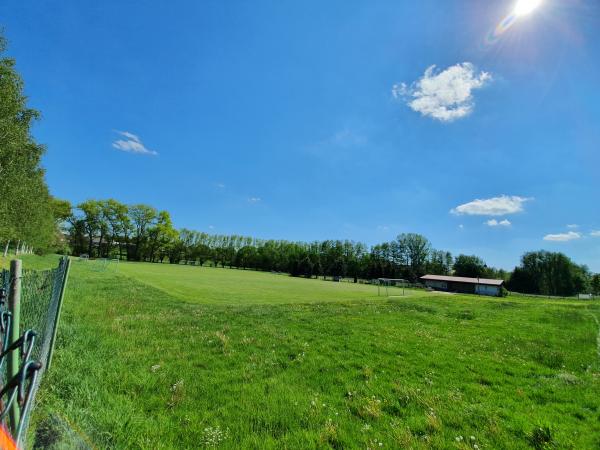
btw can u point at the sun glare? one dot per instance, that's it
(524, 7)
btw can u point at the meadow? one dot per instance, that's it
(162, 356)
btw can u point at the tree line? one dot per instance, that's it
(111, 229)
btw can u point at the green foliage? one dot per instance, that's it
(26, 208)
(595, 284)
(174, 356)
(61, 209)
(549, 273)
(469, 266)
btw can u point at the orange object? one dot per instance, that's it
(6, 440)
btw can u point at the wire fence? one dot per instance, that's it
(30, 303)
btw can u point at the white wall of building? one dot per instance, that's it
(484, 289)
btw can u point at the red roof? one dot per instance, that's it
(486, 281)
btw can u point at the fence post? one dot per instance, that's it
(6, 248)
(63, 287)
(14, 306)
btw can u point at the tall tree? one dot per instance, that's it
(142, 218)
(416, 248)
(92, 222)
(469, 266)
(595, 284)
(26, 211)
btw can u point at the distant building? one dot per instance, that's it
(482, 286)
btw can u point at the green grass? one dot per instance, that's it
(159, 356)
(210, 285)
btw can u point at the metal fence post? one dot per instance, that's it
(14, 306)
(67, 266)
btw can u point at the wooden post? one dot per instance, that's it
(67, 262)
(6, 248)
(14, 306)
(17, 248)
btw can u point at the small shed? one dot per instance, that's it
(466, 285)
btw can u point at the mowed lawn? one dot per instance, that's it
(239, 287)
(159, 356)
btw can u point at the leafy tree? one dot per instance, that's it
(92, 221)
(161, 237)
(469, 266)
(595, 284)
(61, 209)
(549, 273)
(415, 249)
(439, 263)
(142, 218)
(26, 210)
(116, 216)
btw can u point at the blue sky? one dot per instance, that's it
(313, 120)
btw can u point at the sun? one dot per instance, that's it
(524, 7)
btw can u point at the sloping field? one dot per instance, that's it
(159, 356)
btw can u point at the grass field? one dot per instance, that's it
(158, 356)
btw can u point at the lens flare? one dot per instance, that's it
(522, 8)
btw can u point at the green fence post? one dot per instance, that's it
(14, 306)
(63, 287)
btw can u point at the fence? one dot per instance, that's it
(30, 304)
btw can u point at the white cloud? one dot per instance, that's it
(461, 226)
(211, 227)
(563, 237)
(572, 226)
(595, 233)
(220, 185)
(383, 228)
(495, 223)
(254, 199)
(446, 95)
(496, 206)
(132, 144)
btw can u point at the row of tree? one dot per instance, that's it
(110, 229)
